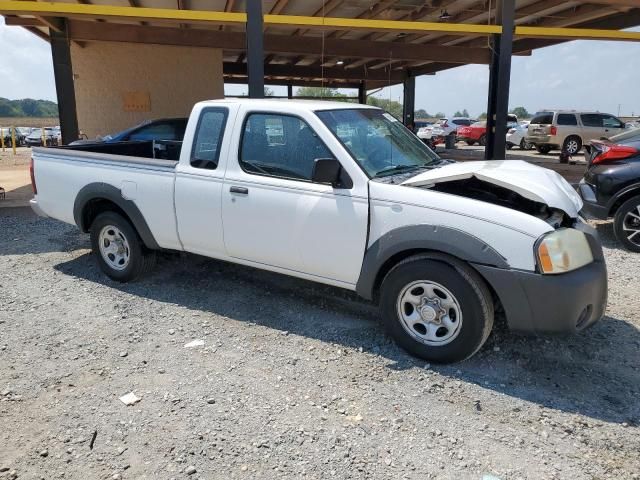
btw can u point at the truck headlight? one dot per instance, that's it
(563, 250)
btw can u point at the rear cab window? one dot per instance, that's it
(205, 152)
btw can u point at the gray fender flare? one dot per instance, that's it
(450, 241)
(95, 191)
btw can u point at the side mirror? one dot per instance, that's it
(329, 171)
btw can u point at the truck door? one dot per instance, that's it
(274, 214)
(198, 187)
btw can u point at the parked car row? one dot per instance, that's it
(477, 132)
(19, 133)
(30, 136)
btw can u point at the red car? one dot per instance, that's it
(477, 132)
(474, 133)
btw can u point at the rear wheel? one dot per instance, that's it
(543, 149)
(627, 224)
(524, 145)
(572, 145)
(470, 142)
(436, 311)
(119, 250)
(509, 146)
(482, 140)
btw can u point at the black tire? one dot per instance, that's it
(470, 142)
(524, 145)
(572, 144)
(624, 224)
(482, 141)
(140, 259)
(509, 146)
(468, 288)
(543, 149)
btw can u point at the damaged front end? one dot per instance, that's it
(513, 184)
(496, 195)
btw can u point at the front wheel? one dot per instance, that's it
(436, 311)
(627, 224)
(482, 141)
(120, 252)
(470, 142)
(524, 145)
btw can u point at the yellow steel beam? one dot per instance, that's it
(577, 33)
(107, 11)
(54, 9)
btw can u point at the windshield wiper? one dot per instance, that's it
(394, 169)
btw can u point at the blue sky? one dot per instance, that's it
(594, 75)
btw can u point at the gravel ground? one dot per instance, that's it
(294, 380)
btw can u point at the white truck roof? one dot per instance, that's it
(270, 103)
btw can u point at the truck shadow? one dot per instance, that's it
(593, 374)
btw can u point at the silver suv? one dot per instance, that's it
(568, 130)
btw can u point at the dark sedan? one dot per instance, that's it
(611, 185)
(161, 129)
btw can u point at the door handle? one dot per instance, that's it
(239, 190)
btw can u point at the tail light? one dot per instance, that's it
(33, 178)
(553, 130)
(609, 152)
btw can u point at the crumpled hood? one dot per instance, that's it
(535, 183)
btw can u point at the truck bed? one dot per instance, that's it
(160, 150)
(136, 169)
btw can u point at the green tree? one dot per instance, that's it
(463, 113)
(27, 107)
(483, 116)
(421, 113)
(268, 92)
(521, 112)
(439, 115)
(321, 92)
(391, 106)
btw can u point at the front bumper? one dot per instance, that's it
(36, 208)
(591, 208)
(564, 303)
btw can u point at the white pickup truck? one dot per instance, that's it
(345, 195)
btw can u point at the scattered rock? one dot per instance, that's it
(190, 470)
(44, 453)
(211, 401)
(124, 354)
(194, 343)
(130, 399)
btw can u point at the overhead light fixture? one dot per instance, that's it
(340, 62)
(444, 15)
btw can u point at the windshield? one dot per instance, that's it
(377, 141)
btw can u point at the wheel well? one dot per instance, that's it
(438, 256)
(95, 207)
(623, 198)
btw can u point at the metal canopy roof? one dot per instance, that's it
(331, 42)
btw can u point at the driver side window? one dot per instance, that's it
(279, 145)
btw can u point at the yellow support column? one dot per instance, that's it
(44, 138)
(13, 139)
(2, 138)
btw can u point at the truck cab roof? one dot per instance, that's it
(284, 103)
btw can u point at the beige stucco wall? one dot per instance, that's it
(174, 77)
